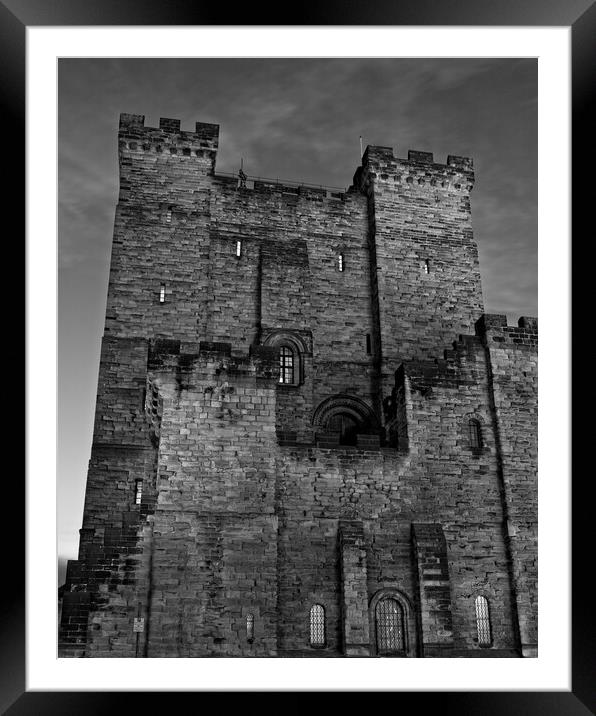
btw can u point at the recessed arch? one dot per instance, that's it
(351, 409)
(282, 336)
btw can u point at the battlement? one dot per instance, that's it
(134, 136)
(419, 169)
(447, 371)
(424, 374)
(213, 359)
(493, 328)
(378, 162)
(374, 153)
(490, 328)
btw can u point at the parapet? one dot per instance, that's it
(450, 371)
(419, 170)
(493, 329)
(287, 189)
(424, 375)
(133, 135)
(214, 358)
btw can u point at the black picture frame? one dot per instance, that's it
(17, 15)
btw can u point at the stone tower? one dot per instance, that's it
(309, 438)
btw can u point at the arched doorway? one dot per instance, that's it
(346, 425)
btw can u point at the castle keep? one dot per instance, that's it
(310, 440)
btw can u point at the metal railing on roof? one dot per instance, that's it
(285, 182)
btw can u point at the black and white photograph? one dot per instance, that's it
(285, 397)
(298, 357)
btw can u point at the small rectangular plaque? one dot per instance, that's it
(139, 624)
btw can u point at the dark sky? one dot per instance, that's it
(296, 119)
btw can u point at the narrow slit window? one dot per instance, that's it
(317, 625)
(138, 491)
(483, 621)
(250, 628)
(475, 434)
(426, 266)
(368, 345)
(162, 293)
(340, 262)
(286, 365)
(238, 248)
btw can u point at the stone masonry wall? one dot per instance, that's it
(465, 482)
(434, 589)
(225, 489)
(302, 233)
(161, 230)
(389, 490)
(109, 580)
(425, 270)
(513, 355)
(177, 224)
(215, 527)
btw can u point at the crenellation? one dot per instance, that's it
(494, 329)
(421, 157)
(380, 164)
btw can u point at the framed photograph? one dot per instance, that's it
(369, 470)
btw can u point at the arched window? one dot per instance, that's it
(291, 348)
(483, 621)
(286, 365)
(475, 434)
(317, 625)
(389, 626)
(250, 628)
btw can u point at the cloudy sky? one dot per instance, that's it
(296, 119)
